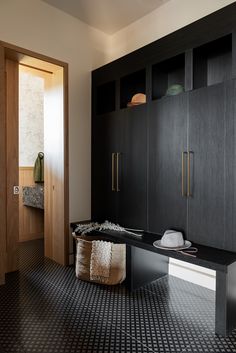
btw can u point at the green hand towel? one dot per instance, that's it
(39, 168)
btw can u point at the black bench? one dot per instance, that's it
(145, 263)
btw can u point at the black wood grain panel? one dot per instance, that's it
(206, 140)
(234, 52)
(143, 267)
(189, 70)
(230, 166)
(106, 140)
(225, 318)
(167, 208)
(133, 168)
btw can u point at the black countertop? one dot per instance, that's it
(206, 256)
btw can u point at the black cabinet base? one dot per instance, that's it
(143, 267)
(225, 310)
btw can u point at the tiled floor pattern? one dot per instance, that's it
(44, 308)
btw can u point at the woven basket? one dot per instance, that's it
(83, 257)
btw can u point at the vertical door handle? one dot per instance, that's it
(113, 172)
(184, 194)
(189, 194)
(117, 172)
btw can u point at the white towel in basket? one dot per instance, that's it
(100, 260)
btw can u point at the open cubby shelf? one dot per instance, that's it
(212, 62)
(166, 74)
(106, 98)
(131, 85)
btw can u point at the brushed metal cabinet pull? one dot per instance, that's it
(189, 194)
(113, 172)
(184, 194)
(117, 171)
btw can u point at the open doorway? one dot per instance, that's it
(31, 153)
(34, 117)
(41, 154)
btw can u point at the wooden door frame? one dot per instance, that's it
(15, 53)
(3, 188)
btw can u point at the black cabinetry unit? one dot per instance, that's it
(212, 142)
(119, 168)
(170, 163)
(106, 98)
(130, 85)
(167, 189)
(133, 161)
(167, 73)
(107, 134)
(212, 62)
(207, 120)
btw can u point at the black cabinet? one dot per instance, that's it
(119, 167)
(212, 202)
(167, 203)
(230, 167)
(207, 127)
(192, 165)
(106, 134)
(170, 163)
(133, 160)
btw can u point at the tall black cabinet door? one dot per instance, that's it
(167, 207)
(230, 166)
(106, 135)
(133, 169)
(206, 205)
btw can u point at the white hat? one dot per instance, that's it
(172, 239)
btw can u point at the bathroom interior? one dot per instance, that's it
(31, 153)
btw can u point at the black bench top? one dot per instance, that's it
(206, 256)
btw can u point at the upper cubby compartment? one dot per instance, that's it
(212, 62)
(130, 86)
(106, 98)
(168, 77)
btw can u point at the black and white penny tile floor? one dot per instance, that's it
(44, 308)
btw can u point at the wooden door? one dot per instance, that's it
(133, 169)
(167, 203)
(12, 163)
(54, 169)
(207, 128)
(106, 137)
(3, 196)
(9, 206)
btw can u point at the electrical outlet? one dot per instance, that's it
(16, 190)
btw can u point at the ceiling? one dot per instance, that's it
(107, 15)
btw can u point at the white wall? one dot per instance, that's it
(35, 25)
(168, 18)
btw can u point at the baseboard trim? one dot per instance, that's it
(193, 274)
